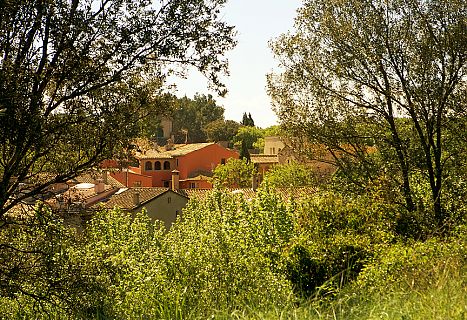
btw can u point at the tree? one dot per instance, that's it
(221, 130)
(247, 120)
(370, 64)
(267, 132)
(290, 175)
(247, 136)
(236, 173)
(150, 125)
(191, 116)
(71, 71)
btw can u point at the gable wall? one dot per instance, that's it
(164, 209)
(205, 159)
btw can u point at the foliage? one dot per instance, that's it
(191, 116)
(335, 239)
(228, 256)
(247, 120)
(150, 125)
(353, 70)
(290, 175)
(221, 130)
(236, 173)
(39, 271)
(267, 132)
(224, 253)
(71, 72)
(247, 136)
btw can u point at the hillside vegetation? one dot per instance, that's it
(325, 256)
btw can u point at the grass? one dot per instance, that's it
(444, 298)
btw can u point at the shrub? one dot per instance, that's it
(414, 265)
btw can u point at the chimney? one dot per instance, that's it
(175, 180)
(170, 145)
(99, 186)
(105, 177)
(136, 200)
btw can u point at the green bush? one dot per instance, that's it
(324, 267)
(414, 265)
(227, 257)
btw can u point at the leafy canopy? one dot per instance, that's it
(71, 74)
(236, 173)
(353, 68)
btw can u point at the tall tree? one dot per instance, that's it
(221, 130)
(236, 173)
(250, 120)
(247, 120)
(370, 62)
(68, 93)
(247, 136)
(191, 116)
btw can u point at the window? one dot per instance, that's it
(166, 165)
(137, 184)
(169, 200)
(148, 166)
(166, 184)
(223, 161)
(273, 150)
(157, 165)
(176, 162)
(192, 185)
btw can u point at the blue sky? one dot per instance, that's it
(257, 22)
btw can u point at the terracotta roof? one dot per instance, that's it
(79, 194)
(264, 158)
(194, 193)
(248, 193)
(201, 194)
(296, 193)
(177, 151)
(124, 199)
(200, 177)
(91, 178)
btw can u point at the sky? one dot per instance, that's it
(256, 22)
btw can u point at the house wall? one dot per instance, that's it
(199, 184)
(158, 176)
(202, 160)
(131, 179)
(163, 209)
(205, 159)
(272, 145)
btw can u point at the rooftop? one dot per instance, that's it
(177, 151)
(264, 158)
(91, 178)
(200, 177)
(125, 200)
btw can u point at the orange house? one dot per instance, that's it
(194, 163)
(132, 177)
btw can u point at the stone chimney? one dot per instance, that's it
(136, 200)
(175, 180)
(105, 177)
(99, 186)
(170, 145)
